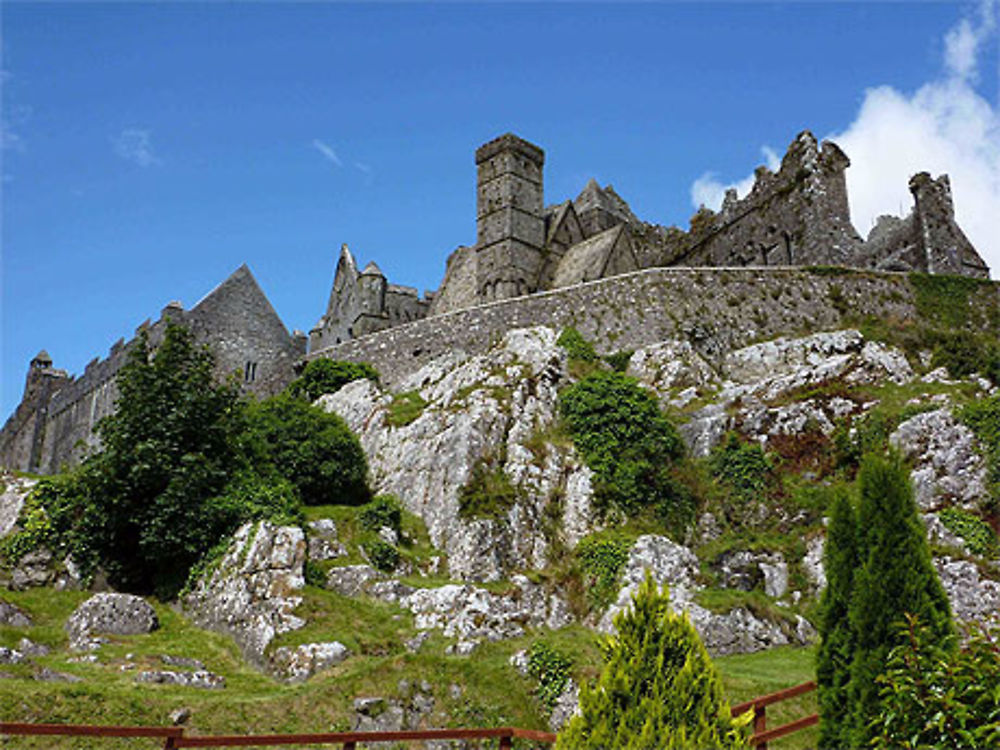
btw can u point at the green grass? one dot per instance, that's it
(405, 408)
(747, 676)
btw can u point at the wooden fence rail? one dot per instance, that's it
(173, 737)
(761, 734)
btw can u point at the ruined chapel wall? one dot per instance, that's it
(717, 309)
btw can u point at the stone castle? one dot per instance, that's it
(589, 262)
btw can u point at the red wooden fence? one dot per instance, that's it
(173, 737)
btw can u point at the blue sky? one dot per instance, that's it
(150, 149)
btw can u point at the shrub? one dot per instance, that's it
(940, 693)
(405, 408)
(381, 554)
(983, 417)
(964, 353)
(618, 361)
(384, 510)
(895, 577)
(150, 503)
(322, 376)
(628, 443)
(836, 649)
(601, 563)
(314, 450)
(488, 493)
(743, 467)
(978, 536)
(550, 668)
(658, 687)
(576, 346)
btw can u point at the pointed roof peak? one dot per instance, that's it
(42, 357)
(372, 270)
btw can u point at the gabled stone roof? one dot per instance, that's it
(585, 261)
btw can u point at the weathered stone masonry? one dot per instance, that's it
(54, 424)
(716, 309)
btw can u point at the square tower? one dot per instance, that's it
(510, 226)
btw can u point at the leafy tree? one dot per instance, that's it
(630, 445)
(312, 449)
(321, 376)
(939, 692)
(658, 688)
(896, 577)
(153, 499)
(836, 650)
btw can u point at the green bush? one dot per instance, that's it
(940, 693)
(618, 361)
(488, 493)
(628, 443)
(576, 346)
(983, 418)
(742, 467)
(658, 688)
(405, 408)
(381, 554)
(384, 510)
(601, 562)
(550, 668)
(895, 577)
(836, 649)
(964, 353)
(321, 376)
(314, 450)
(978, 535)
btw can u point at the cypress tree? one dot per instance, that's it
(833, 661)
(658, 689)
(896, 577)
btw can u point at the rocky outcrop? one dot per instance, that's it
(472, 615)
(202, 679)
(108, 613)
(251, 594)
(302, 662)
(412, 708)
(736, 631)
(491, 407)
(15, 490)
(973, 597)
(759, 379)
(13, 616)
(40, 567)
(948, 467)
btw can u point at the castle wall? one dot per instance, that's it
(717, 309)
(235, 320)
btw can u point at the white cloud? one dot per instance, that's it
(135, 145)
(945, 126)
(327, 152)
(709, 191)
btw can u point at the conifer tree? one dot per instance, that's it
(658, 689)
(896, 577)
(836, 650)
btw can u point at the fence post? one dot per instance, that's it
(760, 724)
(170, 743)
(506, 743)
(349, 745)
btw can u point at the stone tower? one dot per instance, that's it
(510, 226)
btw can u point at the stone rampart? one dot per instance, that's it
(716, 309)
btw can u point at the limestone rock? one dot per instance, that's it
(948, 467)
(29, 648)
(671, 365)
(202, 679)
(253, 591)
(16, 489)
(566, 706)
(182, 661)
(11, 656)
(746, 571)
(973, 597)
(412, 709)
(350, 580)
(50, 675)
(472, 614)
(760, 376)
(737, 631)
(14, 616)
(299, 663)
(490, 406)
(115, 614)
(812, 563)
